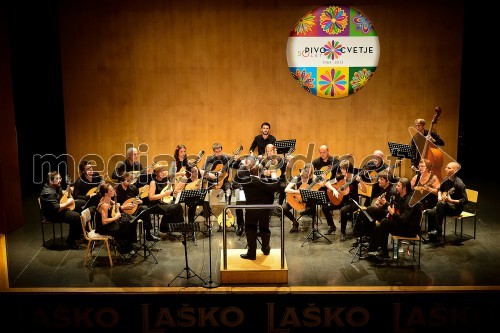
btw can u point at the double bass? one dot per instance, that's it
(431, 152)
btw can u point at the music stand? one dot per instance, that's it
(401, 150)
(359, 242)
(185, 229)
(192, 197)
(314, 198)
(144, 245)
(283, 146)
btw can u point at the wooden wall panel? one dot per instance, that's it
(162, 73)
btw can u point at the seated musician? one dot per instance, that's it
(382, 191)
(130, 164)
(129, 198)
(294, 200)
(426, 185)
(161, 200)
(108, 221)
(60, 212)
(452, 199)
(346, 187)
(403, 220)
(85, 191)
(192, 180)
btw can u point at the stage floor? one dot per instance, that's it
(475, 262)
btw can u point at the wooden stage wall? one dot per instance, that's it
(160, 73)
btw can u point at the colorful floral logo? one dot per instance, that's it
(333, 51)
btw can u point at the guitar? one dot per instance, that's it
(373, 175)
(295, 199)
(190, 165)
(342, 187)
(229, 218)
(133, 201)
(194, 185)
(224, 171)
(68, 193)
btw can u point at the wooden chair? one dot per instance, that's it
(44, 222)
(413, 241)
(93, 238)
(469, 212)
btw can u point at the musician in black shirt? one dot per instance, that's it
(262, 140)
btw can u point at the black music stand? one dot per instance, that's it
(185, 229)
(401, 150)
(192, 197)
(314, 198)
(283, 146)
(359, 243)
(144, 244)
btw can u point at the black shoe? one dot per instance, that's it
(295, 227)
(239, 231)
(152, 238)
(331, 230)
(266, 250)
(72, 244)
(342, 237)
(248, 256)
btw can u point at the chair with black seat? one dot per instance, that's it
(45, 222)
(469, 211)
(93, 238)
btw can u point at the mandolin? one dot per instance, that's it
(168, 198)
(229, 218)
(114, 211)
(68, 193)
(133, 200)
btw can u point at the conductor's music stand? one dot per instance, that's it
(185, 229)
(314, 198)
(401, 150)
(359, 242)
(283, 146)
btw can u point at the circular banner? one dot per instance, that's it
(333, 51)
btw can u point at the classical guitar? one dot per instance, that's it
(224, 172)
(295, 199)
(190, 165)
(68, 193)
(133, 201)
(229, 218)
(446, 195)
(342, 187)
(373, 175)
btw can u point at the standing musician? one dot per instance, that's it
(161, 200)
(54, 210)
(346, 187)
(452, 199)
(129, 198)
(131, 164)
(432, 137)
(86, 186)
(260, 141)
(192, 181)
(306, 177)
(108, 221)
(403, 220)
